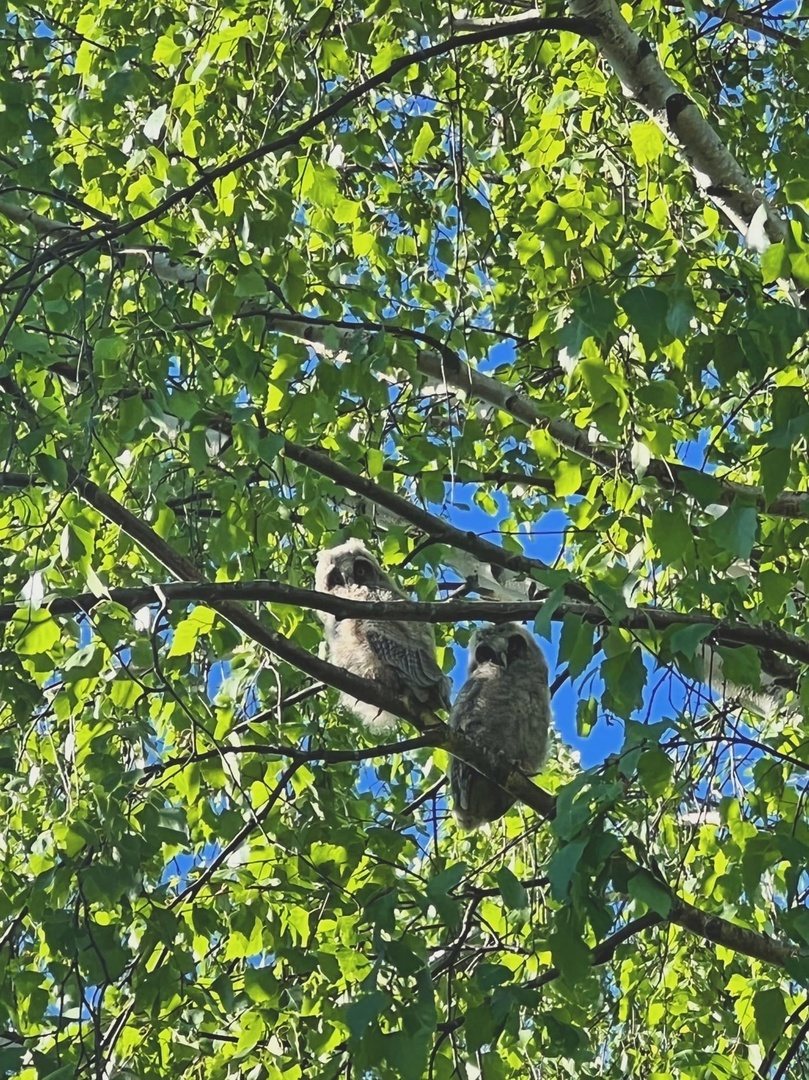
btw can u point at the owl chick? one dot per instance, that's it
(505, 706)
(400, 656)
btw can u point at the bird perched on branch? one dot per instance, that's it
(400, 656)
(504, 706)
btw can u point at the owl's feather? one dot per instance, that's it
(400, 656)
(504, 706)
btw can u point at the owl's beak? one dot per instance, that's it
(485, 654)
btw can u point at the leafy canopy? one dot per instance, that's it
(195, 881)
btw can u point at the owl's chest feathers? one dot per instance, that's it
(349, 645)
(490, 687)
(507, 710)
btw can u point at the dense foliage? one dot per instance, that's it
(233, 231)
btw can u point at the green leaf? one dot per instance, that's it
(422, 142)
(647, 141)
(741, 665)
(775, 588)
(261, 984)
(570, 953)
(672, 535)
(250, 283)
(624, 677)
(774, 263)
(654, 771)
(567, 476)
(735, 531)
(154, 124)
(576, 644)
(685, 640)
(586, 716)
(542, 622)
(366, 1010)
(597, 312)
(562, 868)
(647, 309)
(771, 1013)
(188, 632)
(511, 889)
(775, 466)
(644, 888)
(37, 633)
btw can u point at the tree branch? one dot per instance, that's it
(436, 528)
(605, 950)
(496, 766)
(438, 361)
(792, 1052)
(446, 611)
(717, 173)
(185, 570)
(302, 757)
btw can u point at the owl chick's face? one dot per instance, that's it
(348, 565)
(503, 646)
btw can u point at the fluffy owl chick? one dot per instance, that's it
(400, 656)
(505, 706)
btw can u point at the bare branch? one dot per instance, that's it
(437, 361)
(302, 757)
(447, 611)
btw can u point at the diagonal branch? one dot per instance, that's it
(436, 360)
(494, 765)
(436, 528)
(182, 568)
(717, 172)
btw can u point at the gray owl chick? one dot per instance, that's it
(505, 706)
(398, 655)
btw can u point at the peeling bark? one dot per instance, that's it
(718, 174)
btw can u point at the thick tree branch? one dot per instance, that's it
(496, 766)
(436, 528)
(437, 361)
(721, 932)
(238, 616)
(446, 611)
(718, 174)
(605, 950)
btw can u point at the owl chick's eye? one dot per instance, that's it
(485, 654)
(334, 578)
(517, 648)
(363, 571)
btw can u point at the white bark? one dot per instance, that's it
(473, 384)
(163, 268)
(718, 174)
(767, 702)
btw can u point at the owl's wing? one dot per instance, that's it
(415, 664)
(476, 798)
(465, 714)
